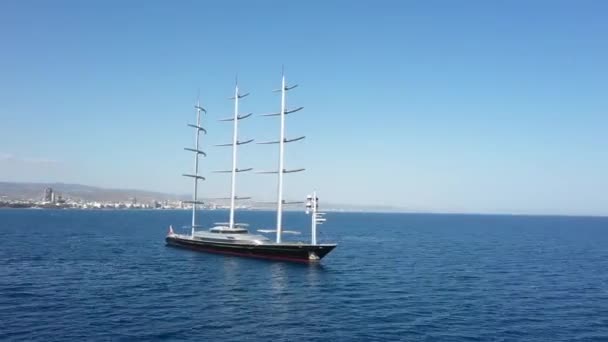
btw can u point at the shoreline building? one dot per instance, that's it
(49, 195)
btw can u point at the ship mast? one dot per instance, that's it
(235, 143)
(317, 218)
(234, 146)
(282, 141)
(197, 152)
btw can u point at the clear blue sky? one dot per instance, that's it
(452, 106)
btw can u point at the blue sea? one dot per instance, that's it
(68, 275)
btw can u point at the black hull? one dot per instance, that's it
(286, 252)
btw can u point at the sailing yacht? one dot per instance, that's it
(234, 238)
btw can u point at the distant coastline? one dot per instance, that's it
(77, 196)
(345, 211)
(16, 195)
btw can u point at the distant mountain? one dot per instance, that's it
(35, 191)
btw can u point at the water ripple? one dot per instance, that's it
(106, 275)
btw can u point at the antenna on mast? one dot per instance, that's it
(312, 206)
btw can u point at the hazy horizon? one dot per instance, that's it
(469, 107)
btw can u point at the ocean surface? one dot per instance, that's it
(70, 275)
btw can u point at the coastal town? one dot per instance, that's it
(14, 195)
(51, 199)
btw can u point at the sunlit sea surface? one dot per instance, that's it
(107, 275)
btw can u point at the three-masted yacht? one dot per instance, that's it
(234, 238)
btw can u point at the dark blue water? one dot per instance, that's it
(107, 275)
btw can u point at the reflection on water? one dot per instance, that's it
(231, 271)
(313, 274)
(278, 277)
(280, 272)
